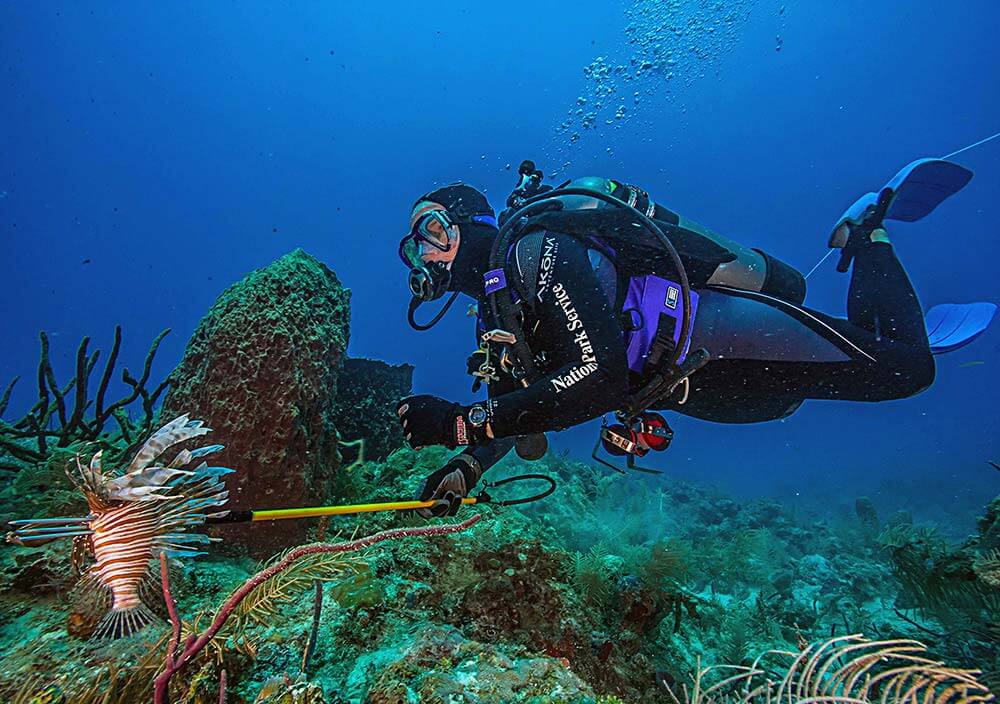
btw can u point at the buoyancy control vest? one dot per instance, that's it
(640, 277)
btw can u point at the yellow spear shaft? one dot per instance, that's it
(278, 514)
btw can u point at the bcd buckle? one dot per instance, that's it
(499, 336)
(481, 362)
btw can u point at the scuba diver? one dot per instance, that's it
(593, 298)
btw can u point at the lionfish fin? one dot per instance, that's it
(150, 588)
(140, 484)
(122, 623)
(183, 457)
(186, 456)
(90, 597)
(177, 430)
(140, 493)
(32, 533)
(88, 480)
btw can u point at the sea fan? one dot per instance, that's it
(848, 669)
(590, 575)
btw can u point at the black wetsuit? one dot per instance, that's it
(883, 342)
(767, 355)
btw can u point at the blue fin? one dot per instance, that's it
(951, 326)
(923, 185)
(918, 188)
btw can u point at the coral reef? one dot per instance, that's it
(609, 591)
(177, 657)
(613, 590)
(438, 664)
(262, 370)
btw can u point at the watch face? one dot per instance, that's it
(477, 415)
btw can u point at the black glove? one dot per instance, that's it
(429, 420)
(448, 486)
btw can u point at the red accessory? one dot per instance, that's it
(461, 431)
(647, 432)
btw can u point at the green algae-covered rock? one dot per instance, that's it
(440, 665)
(261, 370)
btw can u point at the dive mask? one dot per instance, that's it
(428, 280)
(431, 228)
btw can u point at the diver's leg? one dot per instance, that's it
(760, 360)
(881, 298)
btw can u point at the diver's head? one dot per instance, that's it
(439, 223)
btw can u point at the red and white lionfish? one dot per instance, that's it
(134, 518)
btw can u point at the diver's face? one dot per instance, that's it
(439, 242)
(429, 249)
(433, 237)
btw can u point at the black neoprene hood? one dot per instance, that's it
(461, 201)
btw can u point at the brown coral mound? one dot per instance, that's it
(261, 369)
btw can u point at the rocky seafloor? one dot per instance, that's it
(612, 589)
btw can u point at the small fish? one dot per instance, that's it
(134, 518)
(976, 363)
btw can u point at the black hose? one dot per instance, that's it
(486, 498)
(415, 303)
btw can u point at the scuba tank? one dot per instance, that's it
(710, 258)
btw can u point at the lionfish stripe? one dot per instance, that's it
(105, 542)
(123, 569)
(123, 558)
(132, 514)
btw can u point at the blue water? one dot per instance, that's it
(153, 154)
